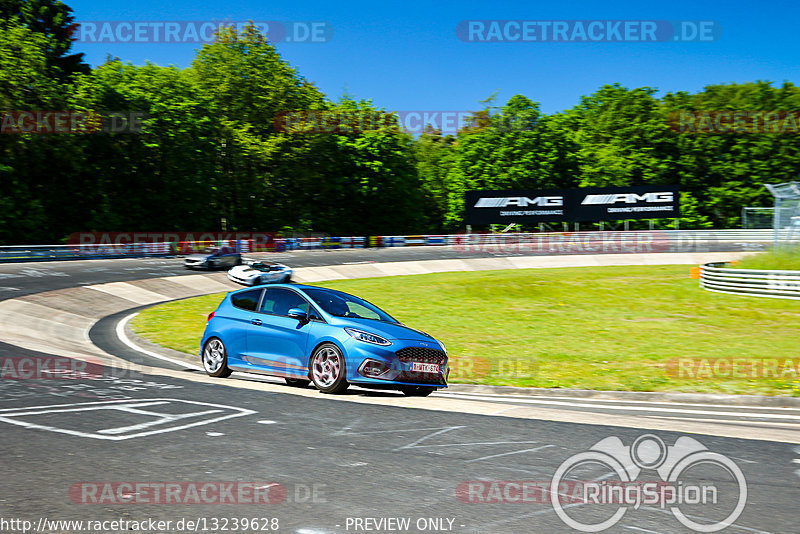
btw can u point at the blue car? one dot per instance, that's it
(313, 334)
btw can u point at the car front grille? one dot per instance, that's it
(421, 378)
(420, 354)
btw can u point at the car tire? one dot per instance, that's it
(328, 369)
(297, 382)
(287, 279)
(417, 391)
(215, 358)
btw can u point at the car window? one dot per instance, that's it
(279, 301)
(361, 311)
(344, 305)
(247, 300)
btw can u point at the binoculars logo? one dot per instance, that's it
(621, 485)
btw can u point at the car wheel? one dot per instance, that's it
(417, 391)
(286, 279)
(297, 382)
(328, 370)
(215, 358)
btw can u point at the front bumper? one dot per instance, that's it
(190, 264)
(392, 365)
(241, 280)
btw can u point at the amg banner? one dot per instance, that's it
(573, 205)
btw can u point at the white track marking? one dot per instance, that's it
(508, 453)
(636, 408)
(10, 415)
(423, 438)
(120, 330)
(445, 393)
(475, 443)
(162, 419)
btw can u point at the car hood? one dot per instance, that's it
(197, 257)
(387, 330)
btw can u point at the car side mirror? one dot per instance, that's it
(300, 315)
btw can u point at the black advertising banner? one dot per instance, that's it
(572, 205)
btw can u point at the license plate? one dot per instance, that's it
(425, 367)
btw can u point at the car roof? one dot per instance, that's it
(301, 286)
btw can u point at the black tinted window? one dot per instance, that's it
(279, 301)
(247, 300)
(345, 305)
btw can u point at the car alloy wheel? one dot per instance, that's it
(328, 369)
(215, 358)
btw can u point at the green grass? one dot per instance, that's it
(609, 328)
(782, 258)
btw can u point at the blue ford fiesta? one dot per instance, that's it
(313, 334)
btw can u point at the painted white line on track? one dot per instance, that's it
(169, 421)
(124, 338)
(629, 408)
(512, 396)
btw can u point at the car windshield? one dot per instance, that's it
(344, 305)
(263, 267)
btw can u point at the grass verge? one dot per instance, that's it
(780, 259)
(607, 328)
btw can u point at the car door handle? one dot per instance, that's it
(255, 321)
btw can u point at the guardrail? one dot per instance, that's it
(750, 282)
(541, 243)
(74, 252)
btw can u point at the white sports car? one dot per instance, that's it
(260, 272)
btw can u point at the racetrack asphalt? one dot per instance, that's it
(338, 462)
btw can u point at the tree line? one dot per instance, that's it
(212, 152)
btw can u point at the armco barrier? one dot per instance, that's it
(751, 282)
(537, 243)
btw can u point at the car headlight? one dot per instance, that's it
(366, 337)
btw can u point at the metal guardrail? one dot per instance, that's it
(750, 282)
(75, 252)
(578, 242)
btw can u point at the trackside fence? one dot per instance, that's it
(755, 283)
(597, 242)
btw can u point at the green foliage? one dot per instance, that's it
(620, 137)
(783, 258)
(213, 149)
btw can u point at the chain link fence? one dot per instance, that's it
(786, 214)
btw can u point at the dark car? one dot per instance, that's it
(214, 258)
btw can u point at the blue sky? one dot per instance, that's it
(406, 56)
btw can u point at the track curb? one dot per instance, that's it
(507, 391)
